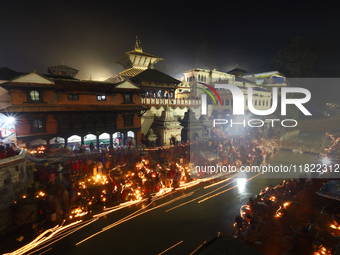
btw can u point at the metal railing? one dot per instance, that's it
(171, 102)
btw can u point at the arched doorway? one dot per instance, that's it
(74, 142)
(88, 139)
(57, 142)
(104, 140)
(131, 138)
(118, 139)
(172, 140)
(38, 142)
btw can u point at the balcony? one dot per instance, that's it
(170, 102)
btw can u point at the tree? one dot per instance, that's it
(300, 58)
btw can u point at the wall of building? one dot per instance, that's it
(51, 127)
(13, 179)
(19, 97)
(149, 117)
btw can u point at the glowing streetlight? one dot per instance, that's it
(10, 119)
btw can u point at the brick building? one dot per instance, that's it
(52, 109)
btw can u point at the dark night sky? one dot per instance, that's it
(91, 36)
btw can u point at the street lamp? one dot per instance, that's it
(10, 119)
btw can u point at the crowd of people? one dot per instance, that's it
(234, 151)
(131, 174)
(262, 213)
(8, 150)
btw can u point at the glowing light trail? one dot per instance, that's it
(214, 184)
(131, 216)
(42, 238)
(45, 251)
(219, 193)
(170, 248)
(200, 196)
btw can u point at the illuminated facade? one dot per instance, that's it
(53, 110)
(261, 83)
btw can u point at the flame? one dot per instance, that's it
(273, 198)
(285, 205)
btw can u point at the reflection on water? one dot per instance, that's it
(241, 185)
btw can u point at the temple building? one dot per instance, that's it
(159, 90)
(134, 62)
(62, 70)
(55, 111)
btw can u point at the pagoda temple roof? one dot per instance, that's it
(136, 58)
(237, 71)
(140, 53)
(153, 75)
(71, 85)
(63, 67)
(132, 72)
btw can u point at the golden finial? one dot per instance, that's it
(236, 65)
(90, 77)
(137, 45)
(62, 63)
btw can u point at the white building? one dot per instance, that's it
(261, 97)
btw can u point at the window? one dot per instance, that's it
(34, 95)
(127, 99)
(255, 102)
(227, 102)
(73, 97)
(232, 102)
(222, 102)
(37, 126)
(267, 103)
(128, 120)
(259, 102)
(246, 102)
(101, 98)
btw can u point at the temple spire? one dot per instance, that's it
(138, 46)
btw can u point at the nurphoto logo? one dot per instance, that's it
(238, 104)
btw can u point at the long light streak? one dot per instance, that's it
(131, 216)
(210, 193)
(216, 183)
(45, 251)
(42, 238)
(170, 248)
(63, 235)
(198, 248)
(219, 193)
(156, 207)
(200, 196)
